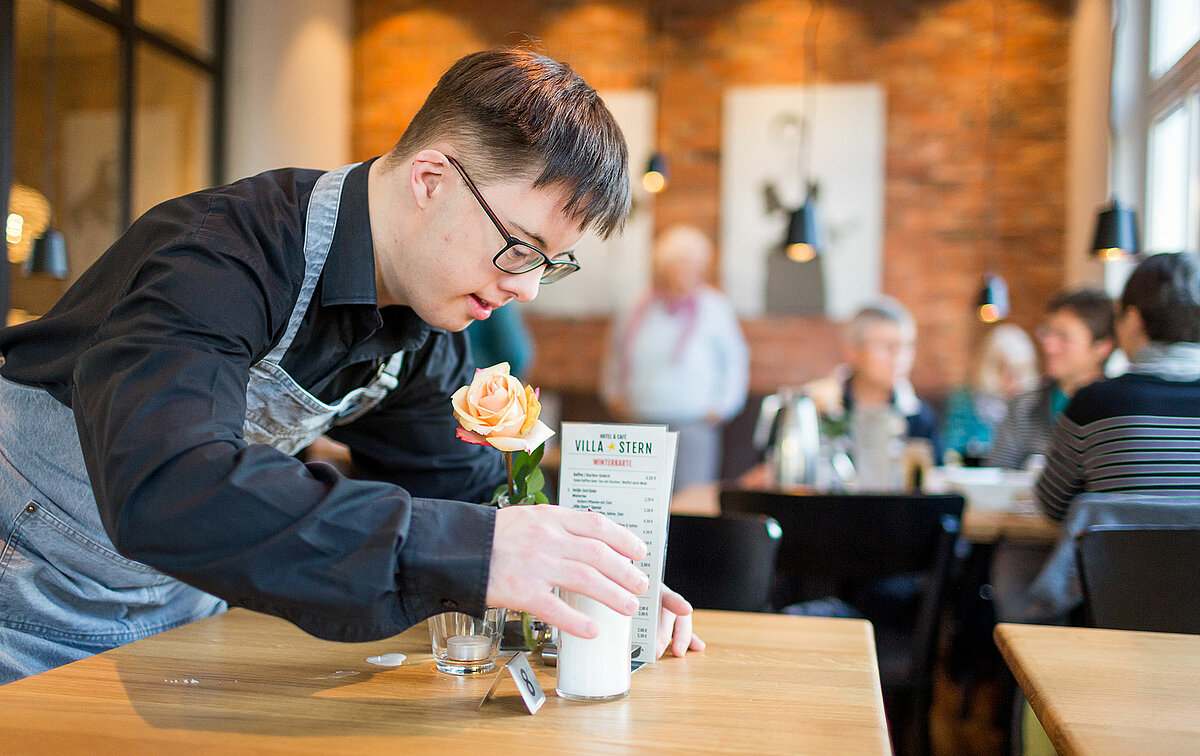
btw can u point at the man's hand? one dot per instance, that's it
(538, 548)
(675, 626)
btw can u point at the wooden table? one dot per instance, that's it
(246, 682)
(1108, 691)
(992, 525)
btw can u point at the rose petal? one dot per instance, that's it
(538, 435)
(471, 437)
(532, 410)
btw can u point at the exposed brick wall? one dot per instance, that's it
(945, 170)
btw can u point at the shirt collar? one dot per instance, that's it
(349, 274)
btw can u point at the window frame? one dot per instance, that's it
(130, 34)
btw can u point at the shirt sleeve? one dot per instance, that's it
(733, 360)
(1062, 479)
(159, 401)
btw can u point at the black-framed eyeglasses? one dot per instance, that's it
(518, 256)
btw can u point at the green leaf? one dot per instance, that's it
(535, 481)
(540, 498)
(537, 454)
(522, 464)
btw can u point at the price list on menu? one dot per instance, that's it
(625, 473)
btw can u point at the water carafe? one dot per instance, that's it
(788, 428)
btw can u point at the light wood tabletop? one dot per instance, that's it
(980, 525)
(1108, 691)
(247, 682)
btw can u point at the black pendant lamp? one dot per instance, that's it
(657, 174)
(48, 256)
(801, 244)
(993, 299)
(1116, 232)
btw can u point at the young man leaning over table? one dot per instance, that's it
(148, 421)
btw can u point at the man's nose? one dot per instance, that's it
(523, 286)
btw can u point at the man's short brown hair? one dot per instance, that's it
(512, 113)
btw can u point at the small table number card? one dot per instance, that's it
(527, 683)
(625, 472)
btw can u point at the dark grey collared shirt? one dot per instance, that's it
(152, 347)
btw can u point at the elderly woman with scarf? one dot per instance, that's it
(679, 357)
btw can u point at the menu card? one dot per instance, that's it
(625, 472)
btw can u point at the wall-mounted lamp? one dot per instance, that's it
(657, 174)
(1116, 232)
(993, 299)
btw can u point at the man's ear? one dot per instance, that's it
(426, 175)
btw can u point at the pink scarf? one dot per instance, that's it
(687, 308)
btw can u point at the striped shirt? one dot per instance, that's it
(1134, 434)
(1026, 429)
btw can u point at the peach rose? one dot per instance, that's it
(497, 410)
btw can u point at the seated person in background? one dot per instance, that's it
(880, 345)
(1006, 367)
(1077, 338)
(679, 356)
(1140, 432)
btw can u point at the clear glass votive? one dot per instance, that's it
(595, 669)
(466, 645)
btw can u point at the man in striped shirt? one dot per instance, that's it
(1140, 432)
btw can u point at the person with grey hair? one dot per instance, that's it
(679, 357)
(879, 348)
(148, 422)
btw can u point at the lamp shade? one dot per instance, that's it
(48, 255)
(993, 299)
(1116, 232)
(801, 244)
(657, 174)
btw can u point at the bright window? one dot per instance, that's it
(1167, 188)
(1175, 28)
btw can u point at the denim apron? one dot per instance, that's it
(65, 593)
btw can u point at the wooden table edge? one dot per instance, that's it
(1054, 729)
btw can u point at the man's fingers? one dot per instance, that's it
(673, 602)
(584, 579)
(597, 526)
(555, 611)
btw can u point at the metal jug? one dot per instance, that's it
(793, 450)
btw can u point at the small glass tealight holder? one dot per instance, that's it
(466, 645)
(595, 669)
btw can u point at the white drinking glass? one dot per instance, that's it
(595, 669)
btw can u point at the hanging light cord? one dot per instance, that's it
(811, 24)
(48, 107)
(1111, 189)
(989, 148)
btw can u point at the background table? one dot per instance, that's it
(251, 683)
(1108, 691)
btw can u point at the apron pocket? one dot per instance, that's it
(62, 582)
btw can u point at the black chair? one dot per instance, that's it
(844, 545)
(722, 562)
(1137, 577)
